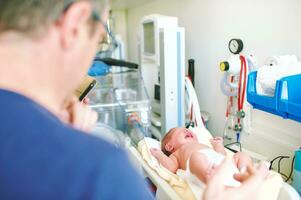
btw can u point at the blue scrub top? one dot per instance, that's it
(42, 158)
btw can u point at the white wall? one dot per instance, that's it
(267, 27)
(120, 25)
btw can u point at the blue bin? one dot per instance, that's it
(286, 101)
(290, 97)
(260, 102)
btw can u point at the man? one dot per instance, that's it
(46, 47)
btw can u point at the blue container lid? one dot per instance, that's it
(99, 68)
(298, 160)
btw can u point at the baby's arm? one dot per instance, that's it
(170, 163)
(218, 146)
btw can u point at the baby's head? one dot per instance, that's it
(175, 138)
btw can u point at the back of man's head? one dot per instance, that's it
(54, 42)
(32, 16)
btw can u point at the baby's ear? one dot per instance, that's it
(169, 147)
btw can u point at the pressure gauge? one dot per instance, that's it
(236, 46)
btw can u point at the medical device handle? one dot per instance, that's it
(118, 63)
(191, 71)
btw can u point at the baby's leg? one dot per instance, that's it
(199, 166)
(242, 160)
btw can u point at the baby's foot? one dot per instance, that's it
(217, 141)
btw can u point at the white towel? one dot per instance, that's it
(287, 60)
(276, 68)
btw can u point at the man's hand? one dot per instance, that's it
(251, 183)
(210, 172)
(79, 115)
(261, 170)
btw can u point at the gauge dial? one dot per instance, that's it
(236, 46)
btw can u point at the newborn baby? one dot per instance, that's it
(183, 151)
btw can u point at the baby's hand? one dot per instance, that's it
(155, 152)
(217, 141)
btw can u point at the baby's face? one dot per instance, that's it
(181, 136)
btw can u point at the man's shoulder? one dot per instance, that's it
(27, 122)
(89, 144)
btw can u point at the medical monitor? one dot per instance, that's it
(150, 28)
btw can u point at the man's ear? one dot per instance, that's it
(169, 147)
(73, 21)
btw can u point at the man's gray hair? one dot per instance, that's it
(29, 16)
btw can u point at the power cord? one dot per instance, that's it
(292, 168)
(273, 160)
(228, 146)
(279, 166)
(287, 178)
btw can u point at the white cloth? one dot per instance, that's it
(215, 158)
(276, 68)
(286, 60)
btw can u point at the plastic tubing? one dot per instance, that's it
(224, 82)
(194, 107)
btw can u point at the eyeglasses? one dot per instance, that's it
(109, 43)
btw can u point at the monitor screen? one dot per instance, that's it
(149, 38)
